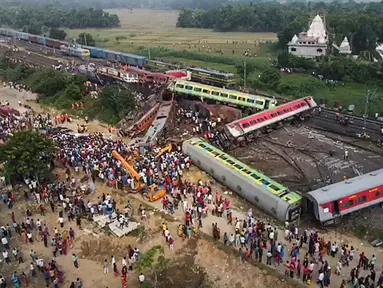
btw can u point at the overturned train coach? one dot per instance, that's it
(330, 203)
(265, 193)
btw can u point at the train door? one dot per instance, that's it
(267, 104)
(335, 208)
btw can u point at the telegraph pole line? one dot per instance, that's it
(244, 73)
(369, 96)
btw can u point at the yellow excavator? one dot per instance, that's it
(150, 193)
(168, 148)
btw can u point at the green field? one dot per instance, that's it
(157, 28)
(144, 30)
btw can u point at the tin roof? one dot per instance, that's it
(348, 187)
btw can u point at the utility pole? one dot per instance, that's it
(149, 52)
(370, 94)
(86, 44)
(244, 73)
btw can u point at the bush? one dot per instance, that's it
(300, 87)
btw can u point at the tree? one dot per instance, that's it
(271, 77)
(148, 264)
(116, 102)
(73, 91)
(57, 34)
(86, 39)
(27, 153)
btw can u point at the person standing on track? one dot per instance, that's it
(346, 155)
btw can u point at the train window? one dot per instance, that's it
(238, 166)
(361, 199)
(347, 204)
(224, 95)
(274, 115)
(223, 157)
(206, 91)
(233, 97)
(215, 93)
(280, 112)
(260, 120)
(180, 86)
(297, 106)
(246, 171)
(253, 122)
(377, 194)
(209, 149)
(275, 188)
(230, 162)
(215, 153)
(189, 87)
(286, 110)
(241, 99)
(197, 89)
(250, 100)
(259, 102)
(245, 125)
(255, 176)
(265, 182)
(303, 104)
(202, 145)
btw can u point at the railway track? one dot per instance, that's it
(354, 130)
(49, 51)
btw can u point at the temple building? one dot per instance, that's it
(312, 43)
(344, 47)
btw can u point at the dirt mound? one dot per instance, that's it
(227, 271)
(105, 248)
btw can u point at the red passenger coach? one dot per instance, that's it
(262, 119)
(333, 201)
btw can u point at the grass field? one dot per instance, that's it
(157, 28)
(153, 29)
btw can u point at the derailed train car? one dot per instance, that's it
(265, 193)
(328, 204)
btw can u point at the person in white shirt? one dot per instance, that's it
(141, 278)
(29, 236)
(61, 221)
(4, 241)
(6, 256)
(123, 261)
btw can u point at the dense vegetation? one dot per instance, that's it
(102, 4)
(35, 19)
(339, 68)
(61, 89)
(361, 23)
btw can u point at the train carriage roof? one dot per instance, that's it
(222, 90)
(254, 175)
(348, 187)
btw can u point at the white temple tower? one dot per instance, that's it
(312, 43)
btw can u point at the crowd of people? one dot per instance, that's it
(92, 154)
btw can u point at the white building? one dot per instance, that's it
(344, 47)
(312, 43)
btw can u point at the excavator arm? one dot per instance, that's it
(133, 173)
(165, 149)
